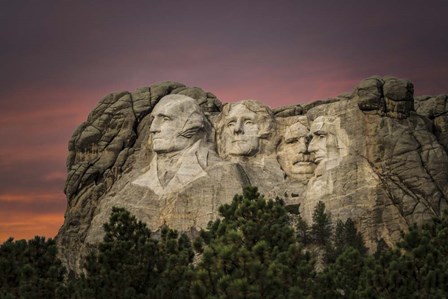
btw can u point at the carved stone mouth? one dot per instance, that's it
(304, 159)
(303, 162)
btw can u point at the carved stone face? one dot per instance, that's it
(323, 144)
(176, 119)
(241, 131)
(293, 155)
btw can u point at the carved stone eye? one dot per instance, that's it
(230, 124)
(291, 140)
(248, 122)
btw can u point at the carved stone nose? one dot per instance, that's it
(303, 144)
(153, 129)
(308, 140)
(311, 145)
(303, 148)
(238, 129)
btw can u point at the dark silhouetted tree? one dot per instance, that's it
(30, 269)
(252, 252)
(321, 229)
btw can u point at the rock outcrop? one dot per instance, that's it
(172, 154)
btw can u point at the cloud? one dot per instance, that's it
(26, 225)
(33, 202)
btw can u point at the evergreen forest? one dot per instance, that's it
(256, 249)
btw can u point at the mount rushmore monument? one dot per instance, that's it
(172, 154)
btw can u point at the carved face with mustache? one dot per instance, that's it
(293, 155)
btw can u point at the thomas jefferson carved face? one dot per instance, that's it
(245, 129)
(324, 144)
(177, 121)
(293, 155)
(242, 131)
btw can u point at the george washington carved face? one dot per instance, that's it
(178, 122)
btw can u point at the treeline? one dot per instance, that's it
(256, 250)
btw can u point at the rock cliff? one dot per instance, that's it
(172, 154)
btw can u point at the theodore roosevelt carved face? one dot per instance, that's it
(177, 124)
(293, 155)
(242, 127)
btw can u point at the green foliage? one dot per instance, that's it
(131, 264)
(418, 268)
(174, 272)
(30, 269)
(321, 229)
(125, 261)
(346, 235)
(340, 279)
(303, 231)
(252, 253)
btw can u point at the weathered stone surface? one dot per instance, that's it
(172, 154)
(436, 109)
(109, 146)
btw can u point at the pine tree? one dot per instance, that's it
(341, 278)
(321, 228)
(353, 238)
(416, 269)
(126, 261)
(303, 231)
(30, 269)
(251, 252)
(174, 267)
(129, 263)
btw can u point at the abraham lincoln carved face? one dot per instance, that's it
(324, 143)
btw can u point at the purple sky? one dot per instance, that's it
(59, 58)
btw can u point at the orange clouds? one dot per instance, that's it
(26, 224)
(24, 215)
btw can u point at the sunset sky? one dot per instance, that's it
(59, 58)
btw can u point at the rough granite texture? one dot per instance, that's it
(377, 155)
